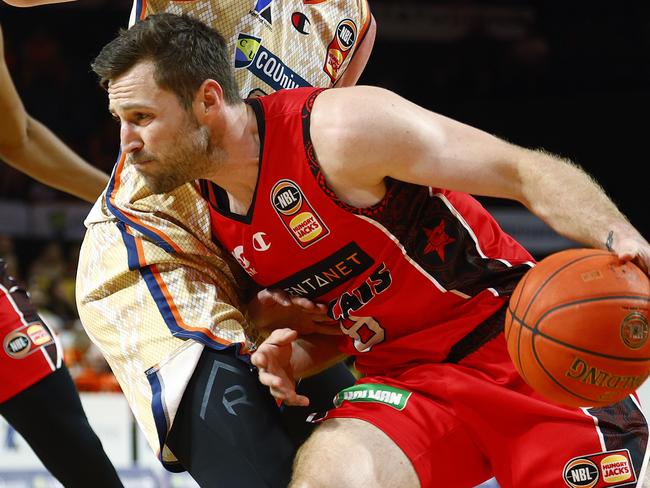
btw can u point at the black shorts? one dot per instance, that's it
(229, 431)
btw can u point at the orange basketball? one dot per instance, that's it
(577, 328)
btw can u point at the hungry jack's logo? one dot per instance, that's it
(339, 48)
(27, 339)
(297, 215)
(600, 470)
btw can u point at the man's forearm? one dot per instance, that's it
(571, 202)
(44, 157)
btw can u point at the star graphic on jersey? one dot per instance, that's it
(437, 239)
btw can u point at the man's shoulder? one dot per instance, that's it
(284, 101)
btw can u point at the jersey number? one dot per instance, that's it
(365, 332)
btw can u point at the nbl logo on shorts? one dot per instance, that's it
(581, 473)
(25, 340)
(604, 469)
(17, 345)
(297, 215)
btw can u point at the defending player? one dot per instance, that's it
(156, 296)
(37, 395)
(369, 215)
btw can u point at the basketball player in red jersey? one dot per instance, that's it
(37, 395)
(372, 216)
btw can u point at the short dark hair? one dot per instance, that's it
(185, 52)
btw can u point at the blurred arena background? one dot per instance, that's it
(571, 77)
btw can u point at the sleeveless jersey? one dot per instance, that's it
(407, 278)
(150, 276)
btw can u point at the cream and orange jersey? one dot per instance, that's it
(278, 43)
(153, 288)
(152, 302)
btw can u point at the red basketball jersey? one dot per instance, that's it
(407, 278)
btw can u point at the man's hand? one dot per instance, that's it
(631, 248)
(273, 309)
(273, 360)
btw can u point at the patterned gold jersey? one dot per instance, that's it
(279, 44)
(152, 287)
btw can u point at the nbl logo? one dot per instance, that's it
(339, 48)
(286, 197)
(27, 339)
(581, 473)
(297, 215)
(346, 34)
(600, 470)
(18, 345)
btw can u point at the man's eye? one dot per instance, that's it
(140, 116)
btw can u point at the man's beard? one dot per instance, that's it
(186, 157)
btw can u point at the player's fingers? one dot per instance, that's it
(271, 298)
(642, 263)
(259, 359)
(271, 380)
(629, 250)
(281, 389)
(323, 320)
(306, 304)
(297, 401)
(281, 297)
(281, 337)
(310, 308)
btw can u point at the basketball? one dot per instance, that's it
(577, 328)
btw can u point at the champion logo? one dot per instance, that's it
(300, 22)
(261, 242)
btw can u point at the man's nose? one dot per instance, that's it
(130, 140)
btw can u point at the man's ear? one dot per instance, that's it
(209, 99)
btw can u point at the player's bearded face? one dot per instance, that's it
(183, 156)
